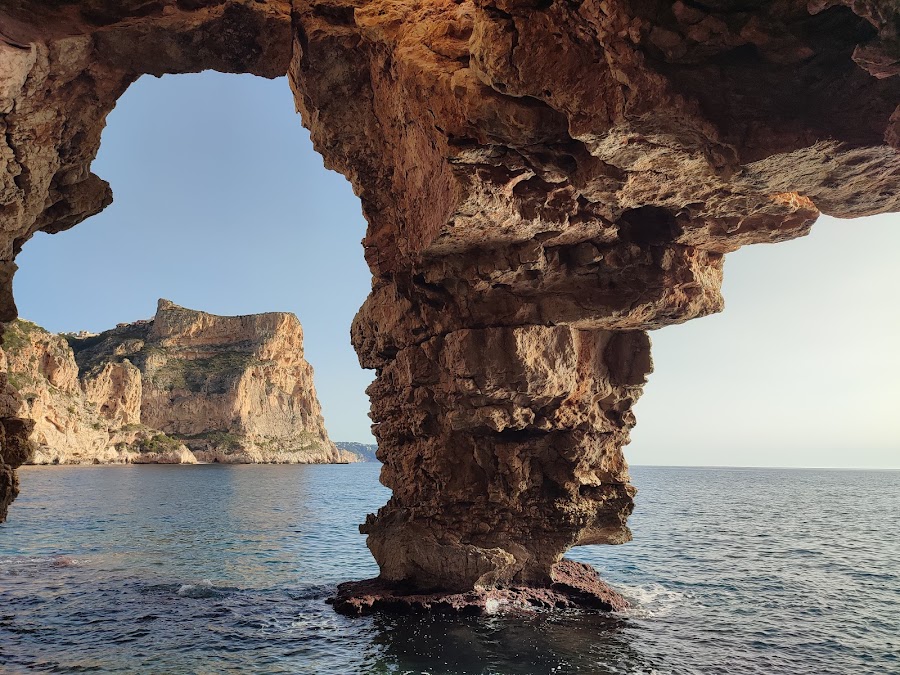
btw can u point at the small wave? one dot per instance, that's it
(30, 565)
(313, 592)
(202, 589)
(11, 564)
(652, 600)
(21, 560)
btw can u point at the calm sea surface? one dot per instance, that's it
(210, 569)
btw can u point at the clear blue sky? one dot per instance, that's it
(221, 204)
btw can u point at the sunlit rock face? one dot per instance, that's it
(183, 387)
(543, 182)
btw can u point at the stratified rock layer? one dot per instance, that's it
(543, 182)
(186, 386)
(67, 423)
(534, 419)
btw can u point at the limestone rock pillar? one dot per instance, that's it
(503, 448)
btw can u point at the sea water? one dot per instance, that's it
(212, 569)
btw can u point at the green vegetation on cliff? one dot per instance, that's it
(222, 440)
(160, 443)
(213, 375)
(20, 381)
(17, 334)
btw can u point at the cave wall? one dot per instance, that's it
(544, 181)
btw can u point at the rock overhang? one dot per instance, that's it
(542, 181)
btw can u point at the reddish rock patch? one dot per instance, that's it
(575, 585)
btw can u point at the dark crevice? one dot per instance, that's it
(336, 15)
(648, 226)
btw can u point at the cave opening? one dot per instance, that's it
(221, 205)
(617, 203)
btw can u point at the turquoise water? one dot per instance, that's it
(209, 569)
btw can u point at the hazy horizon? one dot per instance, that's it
(222, 205)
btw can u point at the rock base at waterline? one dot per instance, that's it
(575, 585)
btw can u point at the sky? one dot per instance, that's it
(221, 204)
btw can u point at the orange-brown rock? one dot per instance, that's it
(67, 426)
(543, 181)
(184, 387)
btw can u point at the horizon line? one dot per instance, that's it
(760, 466)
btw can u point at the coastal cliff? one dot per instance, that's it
(366, 451)
(184, 387)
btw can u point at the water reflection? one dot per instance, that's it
(261, 521)
(250, 525)
(526, 643)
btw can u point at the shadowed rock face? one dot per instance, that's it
(543, 181)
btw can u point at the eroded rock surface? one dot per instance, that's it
(68, 426)
(535, 420)
(184, 387)
(543, 182)
(573, 585)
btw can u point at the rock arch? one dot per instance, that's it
(543, 183)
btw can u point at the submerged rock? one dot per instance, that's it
(184, 387)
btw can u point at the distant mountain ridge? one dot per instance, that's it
(365, 450)
(183, 387)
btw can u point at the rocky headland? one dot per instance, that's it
(367, 451)
(181, 388)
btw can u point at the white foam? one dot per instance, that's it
(202, 589)
(492, 606)
(652, 600)
(14, 565)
